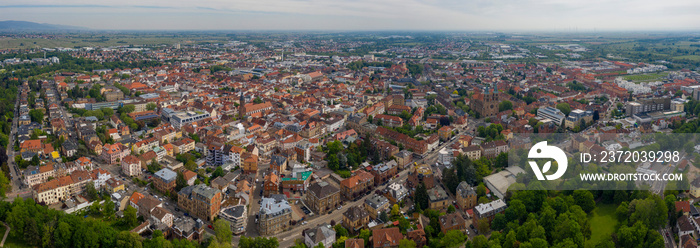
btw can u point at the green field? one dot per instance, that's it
(689, 57)
(646, 77)
(603, 219)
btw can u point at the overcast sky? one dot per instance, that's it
(499, 15)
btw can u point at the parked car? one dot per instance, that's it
(210, 227)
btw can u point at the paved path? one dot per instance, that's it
(7, 232)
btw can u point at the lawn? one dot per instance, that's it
(689, 57)
(603, 223)
(646, 77)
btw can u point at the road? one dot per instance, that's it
(669, 242)
(18, 188)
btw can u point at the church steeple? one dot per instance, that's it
(241, 107)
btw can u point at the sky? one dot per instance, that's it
(458, 15)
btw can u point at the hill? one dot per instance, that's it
(33, 26)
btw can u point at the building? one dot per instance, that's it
(237, 217)
(200, 201)
(131, 166)
(322, 234)
(488, 210)
(465, 196)
(113, 153)
(386, 237)
(271, 184)
(164, 180)
(473, 152)
(34, 175)
(494, 148)
(278, 163)
(274, 216)
(453, 221)
(322, 197)
(396, 192)
(498, 183)
(356, 185)
(439, 200)
(421, 174)
(576, 116)
(647, 105)
(180, 119)
(187, 228)
(53, 191)
(445, 132)
(695, 185)
(355, 218)
(389, 120)
(551, 113)
(485, 104)
(375, 205)
(384, 171)
(417, 146)
(354, 243)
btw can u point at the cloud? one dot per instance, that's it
(363, 14)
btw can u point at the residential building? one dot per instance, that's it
(375, 205)
(465, 196)
(494, 148)
(164, 180)
(488, 210)
(421, 174)
(200, 201)
(274, 216)
(439, 200)
(131, 166)
(386, 237)
(34, 175)
(357, 184)
(53, 191)
(237, 217)
(322, 234)
(113, 153)
(322, 197)
(384, 171)
(355, 218)
(453, 221)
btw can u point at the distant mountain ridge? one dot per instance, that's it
(31, 26)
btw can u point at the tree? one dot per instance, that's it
(258, 242)
(483, 226)
(151, 106)
(564, 107)
(126, 109)
(222, 231)
(62, 235)
(130, 218)
(584, 198)
(450, 180)
(451, 209)
(453, 238)
(395, 212)
(126, 239)
(384, 217)
(505, 105)
(108, 207)
(4, 183)
(91, 191)
(340, 231)
(219, 172)
(407, 243)
(421, 196)
(36, 115)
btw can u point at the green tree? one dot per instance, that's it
(340, 231)
(584, 198)
(126, 239)
(421, 196)
(222, 231)
(4, 184)
(505, 105)
(564, 107)
(151, 106)
(407, 243)
(258, 242)
(130, 218)
(180, 181)
(62, 235)
(483, 226)
(36, 115)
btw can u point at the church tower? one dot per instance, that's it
(241, 107)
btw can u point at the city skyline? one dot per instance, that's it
(439, 15)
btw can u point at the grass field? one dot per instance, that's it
(646, 77)
(603, 219)
(689, 57)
